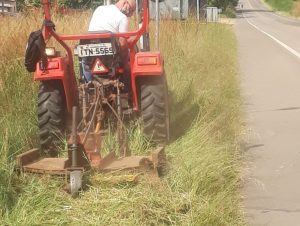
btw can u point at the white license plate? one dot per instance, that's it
(99, 49)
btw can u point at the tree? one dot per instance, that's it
(79, 3)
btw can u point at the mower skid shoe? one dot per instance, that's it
(75, 184)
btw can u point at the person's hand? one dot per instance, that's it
(131, 39)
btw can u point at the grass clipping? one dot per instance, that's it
(201, 187)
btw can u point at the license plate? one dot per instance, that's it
(100, 49)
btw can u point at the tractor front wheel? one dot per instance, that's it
(154, 108)
(51, 116)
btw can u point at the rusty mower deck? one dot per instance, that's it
(32, 162)
(84, 154)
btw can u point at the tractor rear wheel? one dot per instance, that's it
(51, 116)
(154, 108)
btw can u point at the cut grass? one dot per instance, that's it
(201, 187)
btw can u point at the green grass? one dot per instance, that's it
(202, 185)
(281, 5)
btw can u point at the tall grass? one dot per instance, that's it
(291, 7)
(296, 9)
(281, 5)
(201, 187)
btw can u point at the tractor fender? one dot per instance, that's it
(145, 64)
(57, 69)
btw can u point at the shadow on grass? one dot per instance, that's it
(254, 10)
(183, 114)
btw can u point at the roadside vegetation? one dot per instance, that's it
(202, 184)
(291, 7)
(227, 6)
(23, 4)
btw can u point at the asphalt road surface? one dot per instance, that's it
(269, 53)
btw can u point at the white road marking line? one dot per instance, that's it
(290, 49)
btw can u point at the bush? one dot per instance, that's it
(222, 4)
(230, 12)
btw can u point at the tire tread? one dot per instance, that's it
(51, 120)
(154, 109)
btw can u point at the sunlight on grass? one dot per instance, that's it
(201, 187)
(288, 6)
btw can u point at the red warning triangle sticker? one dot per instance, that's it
(99, 67)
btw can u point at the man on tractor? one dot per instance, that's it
(114, 18)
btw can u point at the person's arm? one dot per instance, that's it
(124, 51)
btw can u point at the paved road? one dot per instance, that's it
(269, 48)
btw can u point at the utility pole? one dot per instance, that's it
(2, 7)
(198, 10)
(202, 9)
(137, 11)
(180, 9)
(157, 24)
(106, 2)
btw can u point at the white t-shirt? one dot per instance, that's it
(108, 18)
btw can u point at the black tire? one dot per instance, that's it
(154, 109)
(51, 117)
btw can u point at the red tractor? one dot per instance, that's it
(103, 94)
